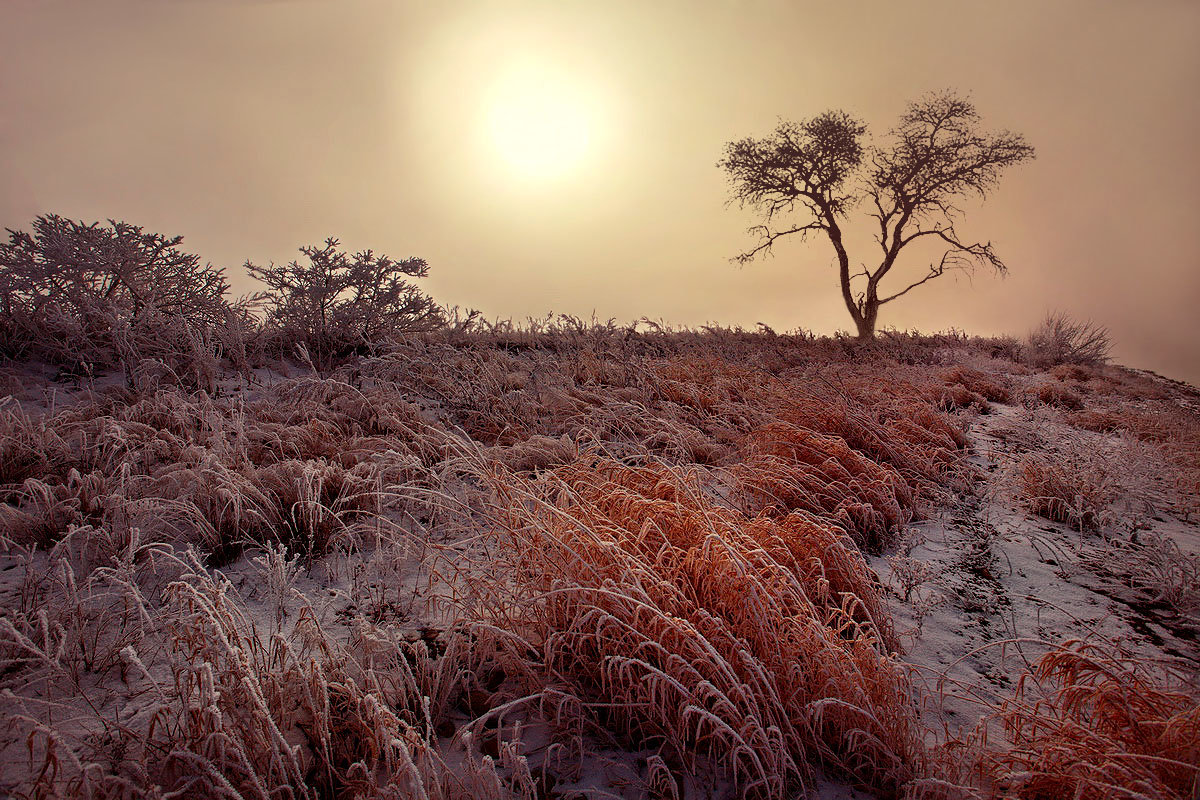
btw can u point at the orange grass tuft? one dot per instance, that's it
(1101, 726)
(1052, 394)
(1075, 491)
(992, 387)
(756, 643)
(789, 468)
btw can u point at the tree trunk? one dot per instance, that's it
(866, 326)
(866, 320)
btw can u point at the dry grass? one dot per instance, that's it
(789, 468)
(991, 387)
(1106, 464)
(757, 644)
(222, 709)
(1051, 393)
(1072, 490)
(640, 545)
(1089, 722)
(1167, 427)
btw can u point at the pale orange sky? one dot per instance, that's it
(252, 128)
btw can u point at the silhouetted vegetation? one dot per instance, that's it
(822, 170)
(93, 295)
(339, 303)
(1062, 340)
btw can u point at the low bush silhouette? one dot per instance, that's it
(1062, 340)
(338, 303)
(91, 295)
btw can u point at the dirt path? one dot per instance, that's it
(985, 587)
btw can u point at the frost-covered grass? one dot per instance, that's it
(569, 560)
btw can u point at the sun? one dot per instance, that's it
(539, 122)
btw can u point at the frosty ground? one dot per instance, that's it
(603, 564)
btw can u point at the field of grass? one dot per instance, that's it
(590, 561)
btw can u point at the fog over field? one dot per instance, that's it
(252, 128)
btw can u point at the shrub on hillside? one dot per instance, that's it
(80, 294)
(1062, 340)
(1052, 394)
(338, 303)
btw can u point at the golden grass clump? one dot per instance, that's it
(1052, 393)
(1075, 491)
(536, 453)
(955, 396)
(1074, 372)
(990, 387)
(1098, 420)
(886, 417)
(936, 441)
(758, 645)
(789, 468)
(1100, 725)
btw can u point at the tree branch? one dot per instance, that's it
(769, 237)
(934, 272)
(982, 252)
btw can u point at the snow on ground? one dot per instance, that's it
(978, 591)
(982, 589)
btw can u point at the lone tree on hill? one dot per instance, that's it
(821, 169)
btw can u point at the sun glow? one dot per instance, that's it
(539, 122)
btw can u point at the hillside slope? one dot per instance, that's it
(597, 563)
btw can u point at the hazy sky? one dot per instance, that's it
(252, 128)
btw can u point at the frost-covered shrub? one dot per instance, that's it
(90, 294)
(338, 303)
(1062, 340)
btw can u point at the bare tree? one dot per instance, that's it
(820, 169)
